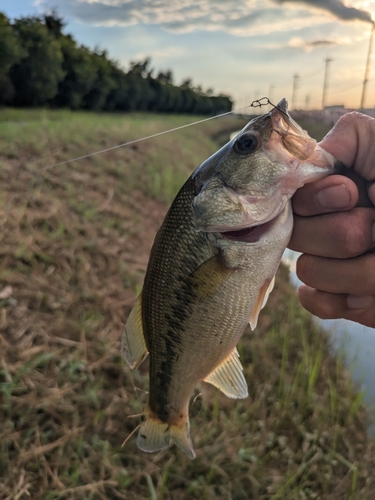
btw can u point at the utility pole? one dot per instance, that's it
(295, 88)
(307, 101)
(367, 70)
(327, 60)
(270, 92)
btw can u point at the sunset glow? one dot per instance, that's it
(245, 48)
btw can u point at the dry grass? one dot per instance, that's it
(74, 247)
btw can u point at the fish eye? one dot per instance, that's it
(246, 143)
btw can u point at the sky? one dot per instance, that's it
(244, 48)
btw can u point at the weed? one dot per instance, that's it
(75, 245)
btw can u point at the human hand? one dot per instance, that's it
(335, 232)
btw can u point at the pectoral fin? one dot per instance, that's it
(261, 301)
(209, 277)
(133, 343)
(229, 378)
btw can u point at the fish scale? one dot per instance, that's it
(212, 267)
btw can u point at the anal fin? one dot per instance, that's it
(133, 343)
(229, 378)
(264, 292)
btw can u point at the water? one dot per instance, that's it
(356, 342)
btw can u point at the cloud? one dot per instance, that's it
(321, 43)
(237, 17)
(297, 42)
(165, 53)
(336, 7)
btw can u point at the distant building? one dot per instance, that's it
(334, 107)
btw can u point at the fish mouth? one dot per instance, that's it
(249, 234)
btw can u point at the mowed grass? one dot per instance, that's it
(74, 247)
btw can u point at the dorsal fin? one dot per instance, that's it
(229, 378)
(264, 292)
(133, 343)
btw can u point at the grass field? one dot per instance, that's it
(74, 248)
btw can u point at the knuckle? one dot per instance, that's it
(366, 275)
(355, 234)
(306, 268)
(349, 118)
(319, 303)
(326, 310)
(354, 121)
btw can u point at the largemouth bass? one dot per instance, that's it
(212, 267)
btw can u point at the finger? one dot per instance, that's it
(371, 193)
(332, 306)
(362, 187)
(352, 141)
(332, 193)
(339, 235)
(352, 276)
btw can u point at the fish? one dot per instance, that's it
(212, 267)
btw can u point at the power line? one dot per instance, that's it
(309, 75)
(341, 89)
(307, 101)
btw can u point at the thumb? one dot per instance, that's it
(352, 141)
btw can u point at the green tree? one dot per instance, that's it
(37, 75)
(118, 97)
(11, 53)
(140, 92)
(103, 81)
(54, 23)
(165, 76)
(40, 65)
(80, 75)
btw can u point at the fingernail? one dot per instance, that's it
(334, 197)
(357, 302)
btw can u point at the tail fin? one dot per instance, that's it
(155, 435)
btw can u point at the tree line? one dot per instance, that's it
(42, 66)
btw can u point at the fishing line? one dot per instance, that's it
(263, 101)
(258, 104)
(129, 143)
